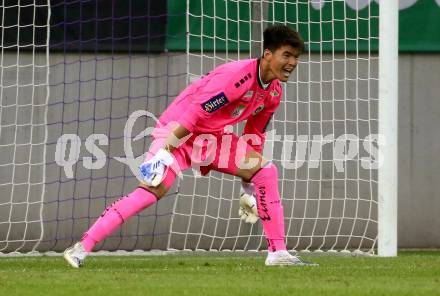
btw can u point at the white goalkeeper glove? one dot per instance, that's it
(153, 171)
(248, 204)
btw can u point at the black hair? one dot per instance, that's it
(280, 35)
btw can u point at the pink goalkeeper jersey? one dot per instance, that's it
(227, 95)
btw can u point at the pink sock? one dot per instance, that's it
(116, 214)
(269, 206)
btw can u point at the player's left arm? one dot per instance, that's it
(256, 125)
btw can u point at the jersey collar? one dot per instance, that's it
(260, 82)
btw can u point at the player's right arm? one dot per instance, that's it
(177, 134)
(153, 171)
(203, 99)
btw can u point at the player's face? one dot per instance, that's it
(283, 61)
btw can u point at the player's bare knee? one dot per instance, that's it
(158, 191)
(246, 175)
(252, 163)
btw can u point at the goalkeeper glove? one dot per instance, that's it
(153, 171)
(248, 204)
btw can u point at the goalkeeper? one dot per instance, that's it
(236, 91)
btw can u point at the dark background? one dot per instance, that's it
(86, 25)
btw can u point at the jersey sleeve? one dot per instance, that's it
(256, 125)
(210, 94)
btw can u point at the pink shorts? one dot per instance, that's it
(222, 152)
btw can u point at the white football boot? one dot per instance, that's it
(281, 258)
(75, 255)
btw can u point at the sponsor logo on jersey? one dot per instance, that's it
(258, 110)
(238, 111)
(215, 103)
(274, 93)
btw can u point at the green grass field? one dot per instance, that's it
(411, 273)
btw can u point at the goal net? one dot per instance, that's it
(82, 84)
(323, 137)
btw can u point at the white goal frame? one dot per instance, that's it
(388, 126)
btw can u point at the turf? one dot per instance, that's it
(411, 273)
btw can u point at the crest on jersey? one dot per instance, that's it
(238, 111)
(249, 94)
(258, 110)
(274, 93)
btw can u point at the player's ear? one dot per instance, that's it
(267, 54)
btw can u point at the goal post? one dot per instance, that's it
(388, 127)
